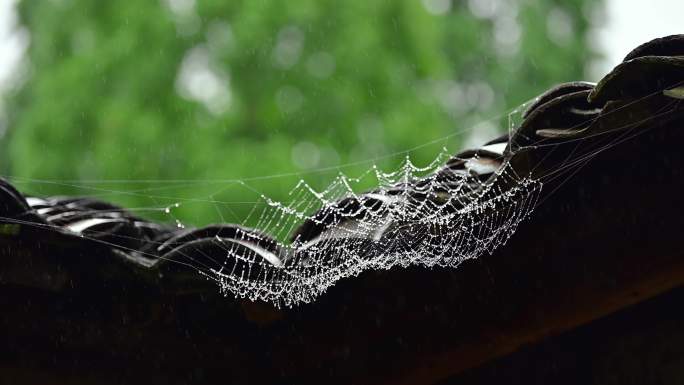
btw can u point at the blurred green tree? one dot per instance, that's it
(216, 90)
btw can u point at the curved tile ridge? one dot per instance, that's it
(672, 45)
(652, 68)
(640, 77)
(560, 116)
(558, 91)
(645, 90)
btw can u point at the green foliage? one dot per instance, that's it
(306, 85)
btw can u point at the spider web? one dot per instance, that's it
(427, 216)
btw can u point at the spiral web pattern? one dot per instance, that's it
(428, 216)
